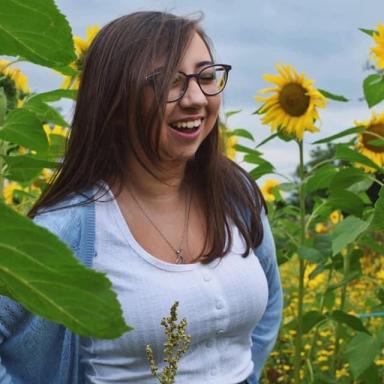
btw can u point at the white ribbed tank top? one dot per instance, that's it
(222, 302)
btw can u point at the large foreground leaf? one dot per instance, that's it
(40, 272)
(25, 168)
(23, 127)
(36, 31)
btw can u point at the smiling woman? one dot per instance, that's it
(145, 196)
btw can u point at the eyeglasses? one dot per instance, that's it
(211, 80)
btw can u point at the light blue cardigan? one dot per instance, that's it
(37, 351)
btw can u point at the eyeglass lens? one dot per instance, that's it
(211, 81)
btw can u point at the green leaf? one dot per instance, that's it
(242, 148)
(54, 95)
(45, 112)
(320, 179)
(369, 32)
(269, 138)
(310, 319)
(346, 201)
(347, 177)
(380, 295)
(253, 158)
(241, 133)
(377, 222)
(258, 111)
(231, 113)
(352, 276)
(49, 281)
(323, 243)
(347, 154)
(373, 86)
(25, 168)
(321, 378)
(24, 128)
(346, 232)
(360, 352)
(376, 142)
(261, 170)
(287, 187)
(346, 132)
(67, 70)
(349, 320)
(36, 31)
(371, 375)
(332, 96)
(311, 254)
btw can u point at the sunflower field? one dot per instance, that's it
(327, 218)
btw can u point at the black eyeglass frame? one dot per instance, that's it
(227, 68)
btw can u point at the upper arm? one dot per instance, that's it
(265, 333)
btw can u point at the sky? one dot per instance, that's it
(319, 38)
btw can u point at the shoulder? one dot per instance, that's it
(65, 218)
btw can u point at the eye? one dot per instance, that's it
(207, 76)
(177, 80)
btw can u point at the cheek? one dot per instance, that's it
(214, 107)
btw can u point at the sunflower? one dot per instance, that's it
(14, 83)
(81, 48)
(230, 149)
(55, 130)
(378, 50)
(335, 217)
(374, 130)
(321, 228)
(267, 189)
(292, 107)
(8, 190)
(19, 79)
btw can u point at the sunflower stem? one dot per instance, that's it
(346, 269)
(299, 329)
(3, 145)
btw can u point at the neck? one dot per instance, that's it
(159, 185)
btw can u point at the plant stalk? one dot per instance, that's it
(299, 329)
(346, 268)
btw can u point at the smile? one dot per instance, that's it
(187, 126)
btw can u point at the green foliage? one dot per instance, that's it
(332, 96)
(373, 87)
(23, 127)
(36, 31)
(36, 268)
(40, 273)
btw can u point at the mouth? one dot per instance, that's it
(188, 127)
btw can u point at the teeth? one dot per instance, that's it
(188, 124)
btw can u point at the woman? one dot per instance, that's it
(145, 195)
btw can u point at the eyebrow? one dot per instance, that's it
(200, 64)
(204, 63)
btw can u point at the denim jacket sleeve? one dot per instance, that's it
(265, 333)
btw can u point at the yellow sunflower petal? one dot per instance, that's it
(292, 105)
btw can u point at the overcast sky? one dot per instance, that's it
(320, 38)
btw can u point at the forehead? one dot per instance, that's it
(196, 54)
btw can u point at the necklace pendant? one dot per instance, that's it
(179, 256)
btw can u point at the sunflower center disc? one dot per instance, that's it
(294, 100)
(377, 129)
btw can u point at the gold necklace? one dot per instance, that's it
(178, 251)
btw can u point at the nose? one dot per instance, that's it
(194, 96)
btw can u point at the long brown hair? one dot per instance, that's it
(111, 121)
